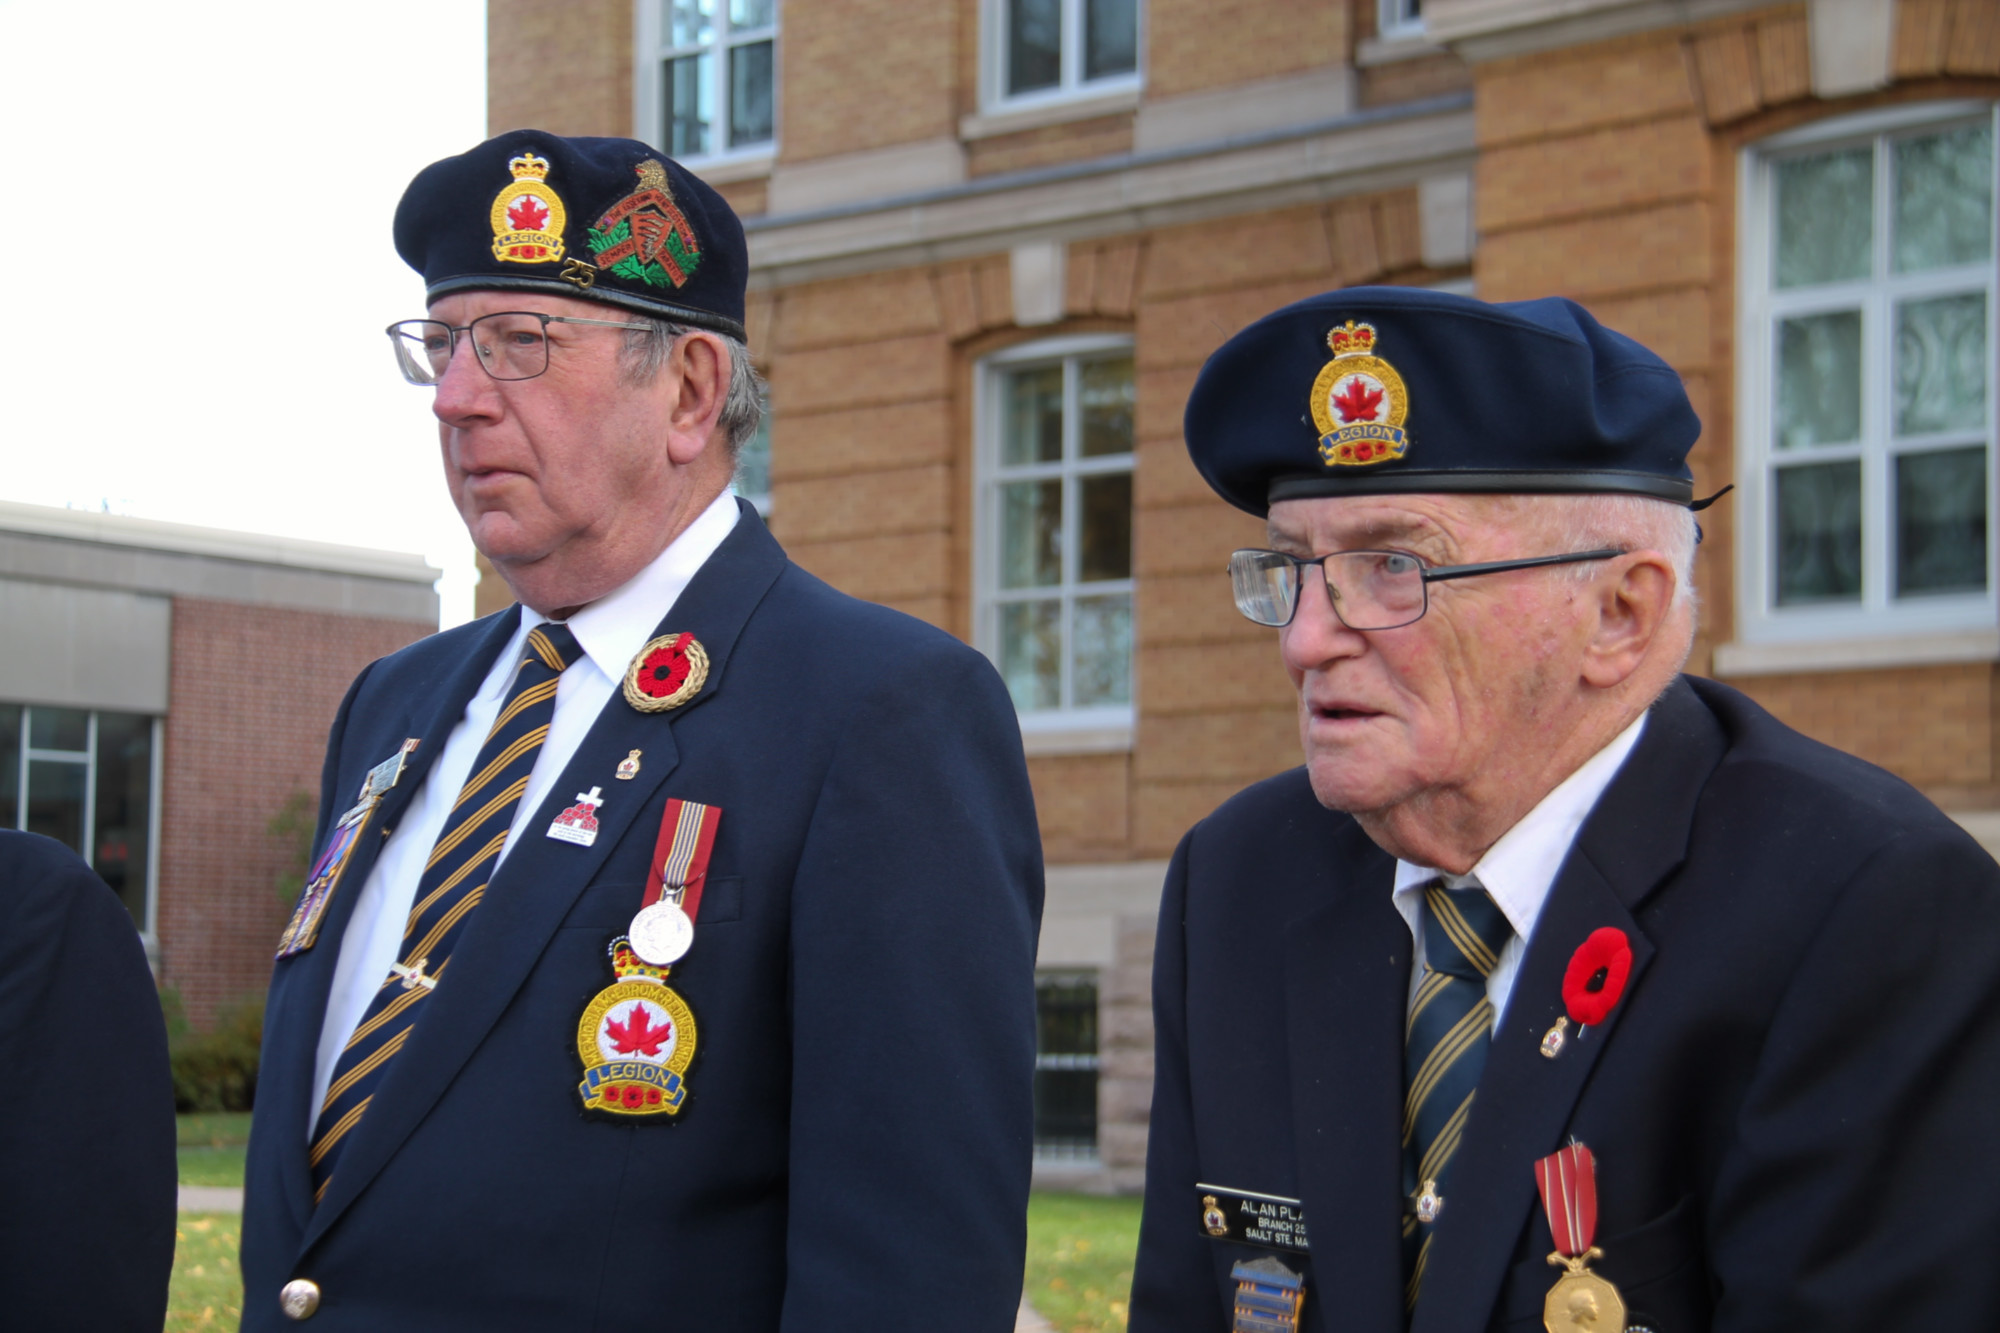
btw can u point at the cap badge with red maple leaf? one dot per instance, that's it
(636, 1039)
(1359, 402)
(528, 216)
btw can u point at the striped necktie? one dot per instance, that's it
(453, 882)
(1444, 1049)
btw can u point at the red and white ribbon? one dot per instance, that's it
(680, 856)
(1567, 1179)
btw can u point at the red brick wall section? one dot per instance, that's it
(253, 691)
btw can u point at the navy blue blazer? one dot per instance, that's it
(86, 1104)
(855, 1148)
(1792, 1107)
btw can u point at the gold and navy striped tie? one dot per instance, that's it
(453, 882)
(1444, 1049)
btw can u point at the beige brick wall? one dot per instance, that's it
(564, 66)
(1196, 45)
(1932, 726)
(866, 74)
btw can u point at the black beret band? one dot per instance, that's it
(700, 319)
(1485, 481)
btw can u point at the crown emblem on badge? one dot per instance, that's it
(1359, 402)
(528, 216)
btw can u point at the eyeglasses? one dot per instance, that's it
(512, 344)
(1368, 589)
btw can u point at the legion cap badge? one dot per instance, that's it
(1359, 402)
(645, 236)
(636, 1039)
(528, 216)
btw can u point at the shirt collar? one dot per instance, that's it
(1519, 869)
(612, 629)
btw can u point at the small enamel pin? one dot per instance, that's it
(628, 767)
(666, 673)
(578, 824)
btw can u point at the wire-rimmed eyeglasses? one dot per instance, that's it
(511, 344)
(1368, 589)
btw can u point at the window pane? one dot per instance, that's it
(1944, 198)
(1941, 364)
(1819, 533)
(1105, 526)
(58, 729)
(753, 461)
(750, 94)
(1066, 1112)
(1103, 669)
(1110, 37)
(686, 97)
(1066, 1066)
(1034, 45)
(1825, 217)
(1819, 380)
(1031, 653)
(752, 13)
(10, 766)
(124, 801)
(1032, 431)
(1941, 522)
(1104, 396)
(1031, 534)
(55, 801)
(690, 22)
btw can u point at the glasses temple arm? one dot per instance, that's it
(1501, 566)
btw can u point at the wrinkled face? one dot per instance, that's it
(1460, 700)
(562, 467)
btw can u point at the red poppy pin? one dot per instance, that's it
(1596, 976)
(666, 673)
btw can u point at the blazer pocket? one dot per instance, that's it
(1656, 1266)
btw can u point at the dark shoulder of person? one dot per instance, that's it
(86, 1103)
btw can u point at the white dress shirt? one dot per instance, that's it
(610, 631)
(1518, 870)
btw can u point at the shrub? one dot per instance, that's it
(214, 1070)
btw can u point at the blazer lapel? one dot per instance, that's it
(541, 879)
(1347, 969)
(1632, 841)
(303, 984)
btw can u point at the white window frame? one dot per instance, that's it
(648, 87)
(86, 759)
(1061, 729)
(1395, 18)
(1072, 87)
(1879, 614)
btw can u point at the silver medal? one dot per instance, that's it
(661, 933)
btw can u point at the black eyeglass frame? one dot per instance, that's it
(404, 363)
(1430, 574)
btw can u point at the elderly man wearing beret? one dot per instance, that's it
(1557, 989)
(667, 959)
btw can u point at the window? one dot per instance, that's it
(753, 467)
(1055, 570)
(707, 75)
(1050, 48)
(87, 780)
(1066, 1064)
(1399, 18)
(1868, 352)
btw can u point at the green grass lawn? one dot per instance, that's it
(211, 1148)
(207, 1287)
(1080, 1250)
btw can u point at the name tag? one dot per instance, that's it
(1271, 1221)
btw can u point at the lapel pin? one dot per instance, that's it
(666, 673)
(628, 767)
(1555, 1039)
(1595, 979)
(578, 824)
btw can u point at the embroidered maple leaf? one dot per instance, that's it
(1357, 402)
(637, 1035)
(527, 214)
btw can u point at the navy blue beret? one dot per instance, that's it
(1392, 390)
(610, 220)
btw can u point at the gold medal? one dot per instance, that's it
(1581, 1301)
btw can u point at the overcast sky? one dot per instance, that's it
(201, 262)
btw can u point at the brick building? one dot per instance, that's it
(993, 240)
(165, 694)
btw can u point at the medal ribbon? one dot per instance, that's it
(1567, 1179)
(680, 857)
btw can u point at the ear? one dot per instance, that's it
(1633, 601)
(697, 378)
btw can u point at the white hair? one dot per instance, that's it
(647, 350)
(1628, 522)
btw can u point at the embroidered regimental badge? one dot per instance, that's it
(644, 236)
(528, 216)
(636, 1039)
(1359, 402)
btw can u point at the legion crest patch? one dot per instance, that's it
(1359, 402)
(528, 216)
(636, 1039)
(645, 237)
